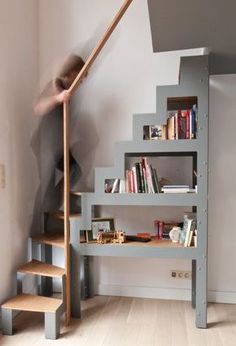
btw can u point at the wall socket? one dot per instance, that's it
(181, 274)
(2, 177)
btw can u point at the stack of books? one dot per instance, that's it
(177, 189)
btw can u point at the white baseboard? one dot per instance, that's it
(144, 292)
(162, 293)
(225, 297)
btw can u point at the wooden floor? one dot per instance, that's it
(114, 321)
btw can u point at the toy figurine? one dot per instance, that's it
(106, 237)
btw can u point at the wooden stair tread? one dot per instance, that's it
(39, 268)
(29, 302)
(60, 214)
(49, 239)
(76, 193)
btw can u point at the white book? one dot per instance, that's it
(116, 182)
(186, 241)
(174, 186)
(135, 180)
(176, 190)
(122, 186)
(149, 180)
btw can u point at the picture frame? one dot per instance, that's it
(157, 132)
(106, 224)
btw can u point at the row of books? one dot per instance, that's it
(181, 124)
(142, 178)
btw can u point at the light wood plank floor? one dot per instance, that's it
(114, 321)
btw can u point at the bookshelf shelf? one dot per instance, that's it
(152, 249)
(145, 199)
(193, 89)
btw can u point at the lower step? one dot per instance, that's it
(52, 309)
(28, 302)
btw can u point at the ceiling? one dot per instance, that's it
(185, 24)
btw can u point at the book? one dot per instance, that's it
(190, 238)
(175, 186)
(138, 174)
(141, 177)
(189, 235)
(183, 125)
(189, 224)
(171, 127)
(177, 189)
(154, 182)
(193, 133)
(122, 188)
(115, 187)
(188, 230)
(187, 124)
(149, 180)
(135, 179)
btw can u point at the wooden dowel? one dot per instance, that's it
(66, 140)
(99, 46)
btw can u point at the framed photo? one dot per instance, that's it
(157, 132)
(105, 224)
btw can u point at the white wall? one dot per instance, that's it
(18, 70)
(121, 83)
(222, 188)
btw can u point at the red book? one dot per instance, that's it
(179, 123)
(132, 188)
(188, 124)
(129, 181)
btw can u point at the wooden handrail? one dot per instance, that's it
(99, 46)
(66, 143)
(66, 136)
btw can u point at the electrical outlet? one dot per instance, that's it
(181, 274)
(2, 177)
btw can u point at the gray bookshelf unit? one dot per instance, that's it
(193, 83)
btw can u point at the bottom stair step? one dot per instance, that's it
(29, 302)
(52, 309)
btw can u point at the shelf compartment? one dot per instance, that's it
(153, 249)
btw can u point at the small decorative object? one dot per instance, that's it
(161, 229)
(104, 224)
(119, 237)
(106, 237)
(175, 234)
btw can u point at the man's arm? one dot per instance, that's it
(51, 97)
